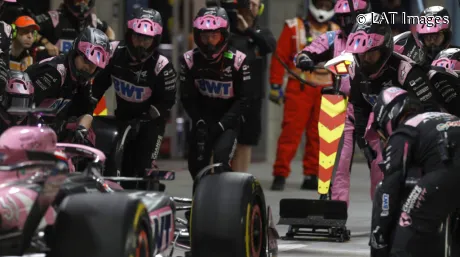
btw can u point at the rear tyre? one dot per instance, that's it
(228, 217)
(101, 225)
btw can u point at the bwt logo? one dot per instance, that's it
(129, 91)
(162, 222)
(213, 88)
(65, 45)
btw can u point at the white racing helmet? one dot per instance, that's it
(320, 15)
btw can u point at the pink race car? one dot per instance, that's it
(47, 207)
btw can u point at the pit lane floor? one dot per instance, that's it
(359, 211)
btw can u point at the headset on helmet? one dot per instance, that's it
(24, 22)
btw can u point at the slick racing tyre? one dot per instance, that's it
(228, 217)
(102, 225)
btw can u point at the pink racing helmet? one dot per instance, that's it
(210, 20)
(391, 105)
(344, 15)
(447, 62)
(19, 92)
(144, 23)
(436, 20)
(94, 46)
(369, 36)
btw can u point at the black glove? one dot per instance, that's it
(80, 135)
(304, 62)
(379, 247)
(369, 153)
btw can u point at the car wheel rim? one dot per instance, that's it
(256, 231)
(142, 249)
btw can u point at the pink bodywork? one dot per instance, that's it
(16, 198)
(30, 138)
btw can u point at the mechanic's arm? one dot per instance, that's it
(263, 38)
(101, 83)
(82, 106)
(387, 206)
(47, 81)
(320, 50)
(449, 88)
(47, 34)
(165, 90)
(104, 26)
(188, 92)
(417, 82)
(4, 57)
(362, 110)
(243, 95)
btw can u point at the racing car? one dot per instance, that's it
(46, 208)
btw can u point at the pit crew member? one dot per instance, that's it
(63, 82)
(324, 48)
(378, 67)
(215, 90)
(59, 28)
(413, 139)
(296, 34)
(144, 83)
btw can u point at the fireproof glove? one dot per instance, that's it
(304, 62)
(276, 94)
(379, 247)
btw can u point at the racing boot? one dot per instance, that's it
(310, 182)
(278, 183)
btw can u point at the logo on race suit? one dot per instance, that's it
(405, 220)
(130, 92)
(162, 227)
(228, 69)
(447, 125)
(215, 89)
(370, 98)
(385, 205)
(57, 104)
(64, 45)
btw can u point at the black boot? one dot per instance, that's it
(310, 183)
(278, 183)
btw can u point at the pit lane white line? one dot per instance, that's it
(303, 248)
